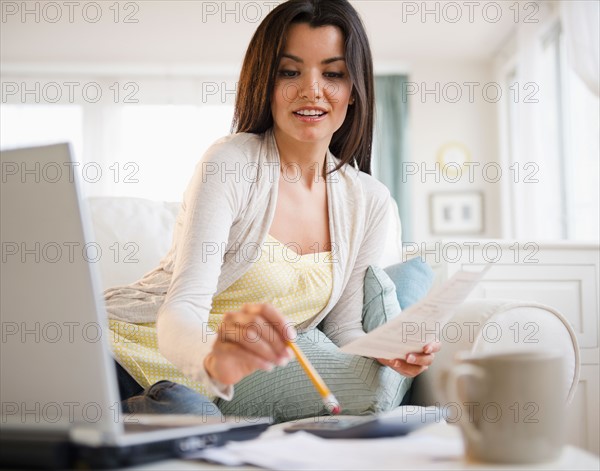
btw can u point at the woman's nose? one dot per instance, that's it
(311, 86)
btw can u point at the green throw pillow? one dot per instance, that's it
(362, 385)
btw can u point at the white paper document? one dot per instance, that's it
(302, 451)
(420, 323)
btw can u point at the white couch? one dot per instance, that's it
(134, 234)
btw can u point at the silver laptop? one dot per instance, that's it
(58, 385)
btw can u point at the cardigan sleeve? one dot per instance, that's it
(211, 203)
(344, 322)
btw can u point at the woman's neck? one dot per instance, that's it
(301, 162)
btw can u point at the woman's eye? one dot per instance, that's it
(292, 73)
(287, 73)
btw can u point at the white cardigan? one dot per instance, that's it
(226, 213)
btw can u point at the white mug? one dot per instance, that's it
(511, 406)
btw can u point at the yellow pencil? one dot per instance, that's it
(331, 403)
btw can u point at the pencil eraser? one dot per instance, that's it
(332, 404)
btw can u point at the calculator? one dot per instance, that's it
(371, 426)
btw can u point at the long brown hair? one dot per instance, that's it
(352, 141)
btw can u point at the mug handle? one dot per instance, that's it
(455, 373)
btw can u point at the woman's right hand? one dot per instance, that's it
(251, 339)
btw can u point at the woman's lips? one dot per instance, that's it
(310, 119)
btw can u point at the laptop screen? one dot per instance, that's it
(56, 367)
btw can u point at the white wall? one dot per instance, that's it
(436, 120)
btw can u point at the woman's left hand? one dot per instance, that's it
(415, 363)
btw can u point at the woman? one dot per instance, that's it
(278, 224)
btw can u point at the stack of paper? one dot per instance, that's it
(303, 451)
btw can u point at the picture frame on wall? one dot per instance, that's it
(456, 213)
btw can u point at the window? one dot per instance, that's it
(33, 125)
(146, 151)
(582, 151)
(157, 147)
(556, 133)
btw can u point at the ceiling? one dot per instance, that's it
(193, 32)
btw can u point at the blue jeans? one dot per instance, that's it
(163, 397)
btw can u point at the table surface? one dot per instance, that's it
(571, 458)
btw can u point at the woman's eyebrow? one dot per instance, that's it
(324, 61)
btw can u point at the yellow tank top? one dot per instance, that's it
(298, 285)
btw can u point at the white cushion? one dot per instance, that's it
(133, 234)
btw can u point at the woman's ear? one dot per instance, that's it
(351, 101)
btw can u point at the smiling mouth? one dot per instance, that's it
(310, 114)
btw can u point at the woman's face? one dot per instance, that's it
(313, 87)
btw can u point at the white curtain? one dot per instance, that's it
(534, 147)
(581, 23)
